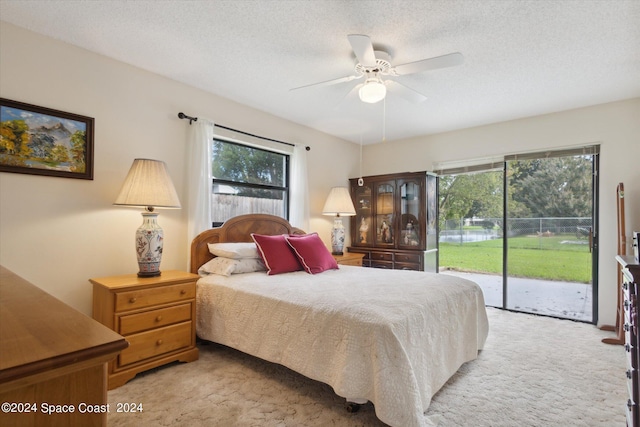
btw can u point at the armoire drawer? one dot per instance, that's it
(381, 256)
(382, 264)
(408, 258)
(406, 266)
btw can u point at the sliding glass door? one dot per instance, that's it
(550, 236)
(471, 222)
(526, 231)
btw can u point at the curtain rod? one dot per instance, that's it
(181, 115)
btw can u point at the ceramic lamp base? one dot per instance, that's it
(149, 240)
(337, 237)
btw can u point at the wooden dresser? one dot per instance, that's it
(630, 288)
(155, 314)
(52, 359)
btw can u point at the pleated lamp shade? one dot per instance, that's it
(148, 184)
(339, 203)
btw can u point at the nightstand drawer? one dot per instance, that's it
(159, 295)
(139, 322)
(357, 262)
(155, 342)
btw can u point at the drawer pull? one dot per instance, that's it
(159, 342)
(133, 300)
(629, 373)
(159, 319)
(183, 291)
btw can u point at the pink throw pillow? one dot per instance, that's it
(312, 253)
(276, 253)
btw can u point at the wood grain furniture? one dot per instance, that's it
(394, 225)
(347, 328)
(622, 251)
(349, 258)
(155, 314)
(51, 354)
(630, 286)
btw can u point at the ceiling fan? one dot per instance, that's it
(373, 65)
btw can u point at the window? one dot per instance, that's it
(248, 180)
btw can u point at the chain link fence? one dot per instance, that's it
(464, 230)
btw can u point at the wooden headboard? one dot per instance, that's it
(237, 229)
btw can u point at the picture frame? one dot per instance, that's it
(42, 141)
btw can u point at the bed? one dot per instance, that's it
(391, 337)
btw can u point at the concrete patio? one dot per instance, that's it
(558, 299)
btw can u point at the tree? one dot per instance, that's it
(59, 154)
(471, 195)
(553, 187)
(79, 150)
(14, 137)
(237, 163)
(550, 187)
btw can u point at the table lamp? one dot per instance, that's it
(338, 203)
(148, 185)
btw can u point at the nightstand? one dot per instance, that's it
(156, 315)
(349, 258)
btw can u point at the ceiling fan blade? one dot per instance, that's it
(405, 91)
(328, 82)
(363, 49)
(443, 61)
(351, 96)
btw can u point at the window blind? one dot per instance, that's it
(497, 163)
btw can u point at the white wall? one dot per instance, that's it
(59, 232)
(616, 126)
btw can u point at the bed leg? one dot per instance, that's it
(353, 407)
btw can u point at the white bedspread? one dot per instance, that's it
(388, 336)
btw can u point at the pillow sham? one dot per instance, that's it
(234, 250)
(277, 255)
(227, 266)
(312, 253)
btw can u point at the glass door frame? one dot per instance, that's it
(592, 150)
(594, 235)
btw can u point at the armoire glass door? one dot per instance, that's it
(385, 214)
(364, 216)
(410, 204)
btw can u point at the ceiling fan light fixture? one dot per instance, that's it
(372, 91)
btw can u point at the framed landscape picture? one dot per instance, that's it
(41, 141)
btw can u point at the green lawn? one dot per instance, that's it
(534, 257)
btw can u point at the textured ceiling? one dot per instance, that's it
(522, 58)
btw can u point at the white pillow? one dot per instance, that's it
(234, 250)
(227, 266)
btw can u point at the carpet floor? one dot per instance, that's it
(533, 371)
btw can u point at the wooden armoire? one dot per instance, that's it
(395, 225)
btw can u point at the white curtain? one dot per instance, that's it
(199, 177)
(299, 210)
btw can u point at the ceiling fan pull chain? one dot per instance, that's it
(384, 120)
(360, 180)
